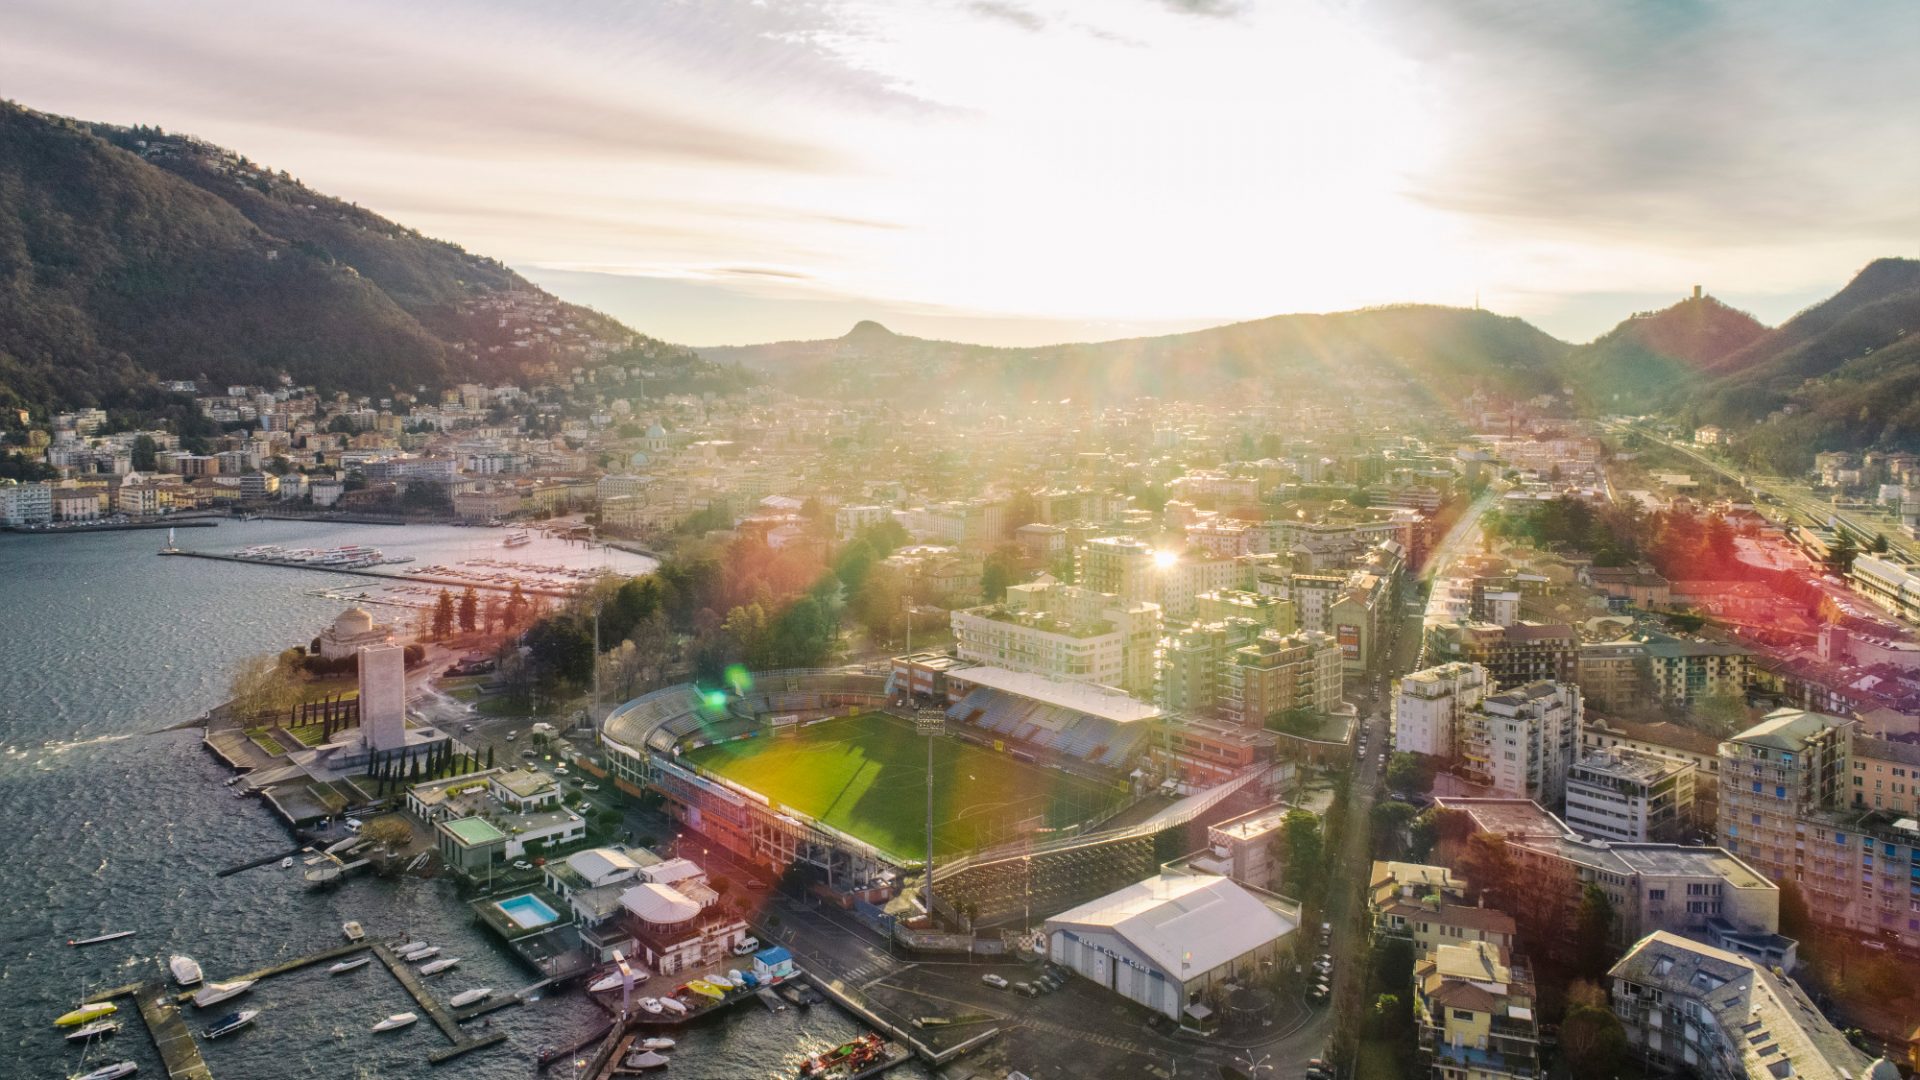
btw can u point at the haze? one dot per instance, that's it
(1014, 172)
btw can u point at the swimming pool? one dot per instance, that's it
(527, 911)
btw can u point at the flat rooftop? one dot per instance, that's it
(1627, 765)
(474, 832)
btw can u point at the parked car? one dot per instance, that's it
(1026, 989)
(994, 981)
(522, 864)
(752, 883)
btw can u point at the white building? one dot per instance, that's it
(1623, 796)
(1428, 708)
(1520, 741)
(1168, 942)
(1893, 585)
(26, 504)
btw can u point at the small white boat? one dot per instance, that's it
(651, 1005)
(86, 1014)
(231, 1023)
(471, 997)
(99, 1029)
(109, 1072)
(418, 955)
(602, 985)
(658, 1042)
(97, 939)
(215, 993)
(286, 863)
(646, 1059)
(396, 1022)
(439, 966)
(410, 946)
(185, 969)
(738, 978)
(353, 930)
(673, 1006)
(345, 966)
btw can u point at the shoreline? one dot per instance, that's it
(423, 579)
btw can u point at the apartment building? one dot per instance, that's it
(1693, 1009)
(1272, 612)
(1475, 1010)
(1121, 565)
(1280, 672)
(1426, 905)
(1429, 704)
(1063, 632)
(26, 504)
(1685, 673)
(1706, 893)
(1514, 655)
(1192, 664)
(1666, 740)
(1787, 806)
(1620, 795)
(1886, 776)
(1520, 741)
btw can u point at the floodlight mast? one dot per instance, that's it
(930, 722)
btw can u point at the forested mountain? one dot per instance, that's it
(128, 254)
(1639, 365)
(1437, 352)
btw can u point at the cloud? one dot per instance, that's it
(1213, 9)
(1695, 122)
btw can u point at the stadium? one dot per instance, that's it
(820, 776)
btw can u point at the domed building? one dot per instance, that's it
(657, 440)
(350, 632)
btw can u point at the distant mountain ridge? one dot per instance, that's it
(1639, 364)
(129, 254)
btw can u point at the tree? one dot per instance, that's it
(1489, 870)
(266, 685)
(1841, 555)
(1409, 772)
(996, 573)
(854, 564)
(516, 611)
(1391, 823)
(145, 453)
(1592, 1042)
(1593, 934)
(1878, 545)
(469, 610)
(388, 830)
(443, 616)
(1304, 849)
(1298, 720)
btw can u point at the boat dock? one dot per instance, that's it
(422, 579)
(161, 1009)
(264, 860)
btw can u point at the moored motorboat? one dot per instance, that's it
(706, 989)
(658, 1042)
(652, 1005)
(286, 863)
(86, 1014)
(402, 950)
(231, 1023)
(439, 966)
(646, 1059)
(345, 966)
(418, 955)
(215, 993)
(672, 1005)
(99, 1029)
(185, 969)
(98, 938)
(353, 930)
(609, 982)
(396, 1021)
(109, 1072)
(470, 997)
(847, 1057)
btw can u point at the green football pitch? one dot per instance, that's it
(866, 776)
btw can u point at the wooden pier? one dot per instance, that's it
(179, 1054)
(428, 1003)
(264, 860)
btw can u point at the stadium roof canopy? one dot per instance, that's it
(1090, 698)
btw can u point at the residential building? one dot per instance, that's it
(1426, 905)
(1707, 893)
(1787, 806)
(1271, 612)
(1242, 848)
(1671, 741)
(1685, 673)
(1519, 742)
(1193, 661)
(26, 504)
(1172, 942)
(1277, 673)
(1121, 565)
(1513, 655)
(259, 486)
(1475, 1010)
(1637, 586)
(1691, 1008)
(1063, 632)
(1612, 674)
(76, 504)
(1886, 776)
(1620, 795)
(1428, 707)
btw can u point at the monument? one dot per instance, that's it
(383, 697)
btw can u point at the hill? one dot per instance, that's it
(1438, 352)
(129, 255)
(1842, 375)
(1646, 361)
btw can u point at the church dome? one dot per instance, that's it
(655, 431)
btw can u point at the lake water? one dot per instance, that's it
(110, 822)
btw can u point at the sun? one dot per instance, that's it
(1164, 559)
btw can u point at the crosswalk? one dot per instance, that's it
(879, 967)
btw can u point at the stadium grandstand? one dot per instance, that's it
(1094, 724)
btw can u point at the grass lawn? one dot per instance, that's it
(265, 740)
(866, 776)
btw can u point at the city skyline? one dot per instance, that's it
(1025, 173)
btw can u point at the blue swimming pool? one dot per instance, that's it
(527, 911)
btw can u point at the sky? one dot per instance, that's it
(1028, 171)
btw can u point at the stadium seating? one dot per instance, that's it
(1052, 728)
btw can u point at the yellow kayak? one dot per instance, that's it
(702, 986)
(86, 1013)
